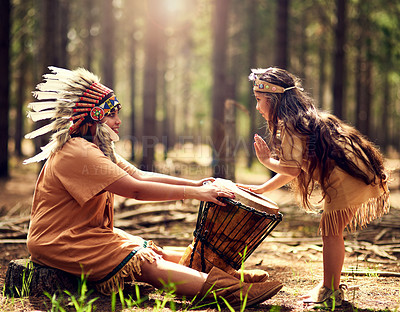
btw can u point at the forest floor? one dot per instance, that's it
(291, 253)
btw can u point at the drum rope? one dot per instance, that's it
(203, 260)
(203, 211)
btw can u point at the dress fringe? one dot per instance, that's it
(354, 216)
(128, 271)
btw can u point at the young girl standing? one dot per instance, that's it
(310, 147)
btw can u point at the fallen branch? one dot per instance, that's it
(369, 273)
(13, 241)
(149, 210)
(150, 220)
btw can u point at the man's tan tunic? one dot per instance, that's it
(72, 216)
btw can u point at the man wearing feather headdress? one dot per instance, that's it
(71, 225)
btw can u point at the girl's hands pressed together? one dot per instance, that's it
(262, 150)
(264, 156)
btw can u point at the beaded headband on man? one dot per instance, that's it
(264, 86)
(98, 102)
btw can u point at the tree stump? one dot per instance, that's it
(26, 278)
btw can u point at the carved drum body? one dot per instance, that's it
(225, 236)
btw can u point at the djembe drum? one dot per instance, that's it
(225, 236)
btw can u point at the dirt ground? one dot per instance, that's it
(291, 254)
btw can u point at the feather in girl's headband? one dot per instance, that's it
(264, 86)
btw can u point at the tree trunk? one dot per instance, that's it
(360, 110)
(322, 72)
(132, 78)
(361, 118)
(21, 86)
(5, 10)
(187, 105)
(54, 39)
(50, 51)
(108, 39)
(24, 278)
(163, 129)
(220, 20)
(368, 89)
(150, 87)
(89, 46)
(303, 53)
(230, 138)
(252, 61)
(388, 122)
(339, 60)
(63, 25)
(282, 38)
(386, 108)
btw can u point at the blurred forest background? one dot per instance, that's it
(180, 67)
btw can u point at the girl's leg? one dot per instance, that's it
(188, 282)
(333, 253)
(333, 258)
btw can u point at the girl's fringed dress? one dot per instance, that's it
(348, 200)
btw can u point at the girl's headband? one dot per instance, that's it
(263, 86)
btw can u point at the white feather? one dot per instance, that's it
(40, 131)
(71, 97)
(79, 78)
(51, 85)
(81, 84)
(36, 116)
(46, 95)
(62, 71)
(259, 71)
(38, 106)
(46, 151)
(72, 76)
(57, 77)
(86, 75)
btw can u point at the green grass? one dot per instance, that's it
(80, 303)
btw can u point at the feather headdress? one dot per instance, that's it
(70, 99)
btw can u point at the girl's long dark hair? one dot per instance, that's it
(329, 141)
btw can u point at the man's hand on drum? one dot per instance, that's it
(210, 193)
(262, 150)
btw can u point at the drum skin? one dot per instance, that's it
(225, 231)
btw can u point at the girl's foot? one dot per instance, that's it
(312, 293)
(322, 294)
